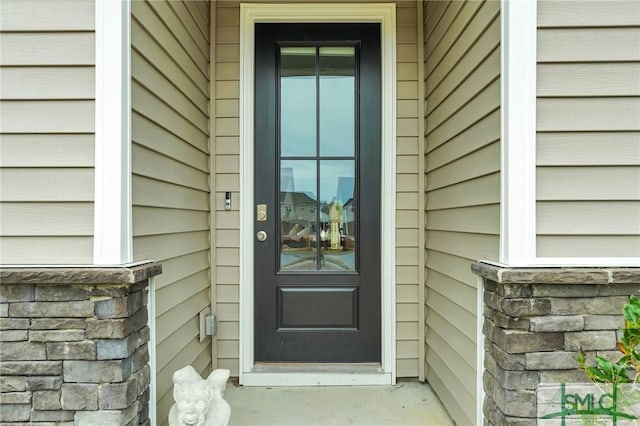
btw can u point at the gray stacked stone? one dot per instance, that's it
(536, 321)
(74, 345)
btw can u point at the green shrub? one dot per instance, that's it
(627, 368)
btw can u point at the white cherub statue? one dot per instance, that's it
(199, 402)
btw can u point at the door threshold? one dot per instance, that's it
(286, 367)
(285, 374)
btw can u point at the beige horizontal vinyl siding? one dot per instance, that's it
(409, 255)
(462, 84)
(47, 93)
(170, 184)
(227, 127)
(227, 179)
(588, 142)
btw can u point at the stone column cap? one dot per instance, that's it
(555, 275)
(89, 274)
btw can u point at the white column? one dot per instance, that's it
(112, 206)
(518, 133)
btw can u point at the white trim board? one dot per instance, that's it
(479, 351)
(112, 239)
(518, 145)
(384, 13)
(316, 379)
(606, 262)
(518, 132)
(153, 365)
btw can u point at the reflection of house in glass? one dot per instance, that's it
(348, 224)
(344, 191)
(298, 217)
(287, 182)
(345, 196)
(308, 223)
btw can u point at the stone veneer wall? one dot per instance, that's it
(74, 345)
(535, 322)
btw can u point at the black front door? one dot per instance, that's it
(317, 193)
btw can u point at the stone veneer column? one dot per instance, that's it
(535, 322)
(74, 345)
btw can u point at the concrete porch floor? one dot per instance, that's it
(408, 403)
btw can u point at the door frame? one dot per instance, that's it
(385, 14)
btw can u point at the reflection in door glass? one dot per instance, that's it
(298, 203)
(337, 101)
(298, 101)
(337, 215)
(317, 158)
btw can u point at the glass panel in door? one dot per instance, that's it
(317, 157)
(337, 100)
(298, 101)
(338, 215)
(298, 215)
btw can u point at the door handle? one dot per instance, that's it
(261, 236)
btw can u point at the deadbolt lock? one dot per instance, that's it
(261, 212)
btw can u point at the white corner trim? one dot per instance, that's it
(480, 394)
(385, 14)
(151, 308)
(518, 145)
(112, 241)
(518, 133)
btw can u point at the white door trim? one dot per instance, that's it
(250, 14)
